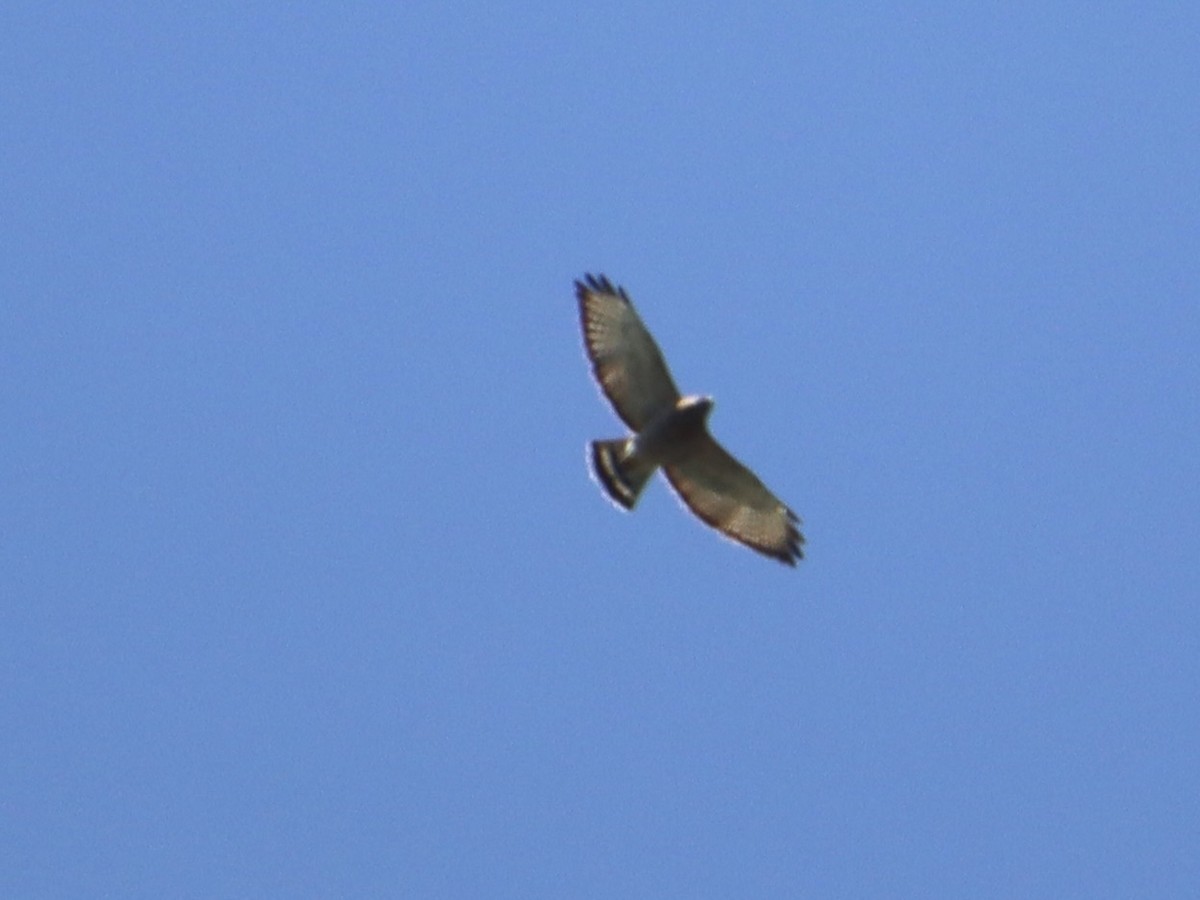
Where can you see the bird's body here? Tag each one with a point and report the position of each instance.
(670, 432)
(624, 465)
(668, 435)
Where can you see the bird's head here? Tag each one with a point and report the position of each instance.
(695, 407)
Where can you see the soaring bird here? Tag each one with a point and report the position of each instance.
(670, 431)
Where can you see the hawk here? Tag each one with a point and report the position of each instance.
(670, 432)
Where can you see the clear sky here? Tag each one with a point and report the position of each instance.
(305, 589)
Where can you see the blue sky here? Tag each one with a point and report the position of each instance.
(307, 591)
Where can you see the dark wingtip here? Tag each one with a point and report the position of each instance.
(600, 285)
(795, 539)
(790, 556)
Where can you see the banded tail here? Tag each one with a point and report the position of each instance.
(622, 475)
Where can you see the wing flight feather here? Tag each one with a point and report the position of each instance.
(730, 498)
(626, 361)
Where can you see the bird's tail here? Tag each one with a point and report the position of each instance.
(621, 474)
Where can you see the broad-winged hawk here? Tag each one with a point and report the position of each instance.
(670, 431)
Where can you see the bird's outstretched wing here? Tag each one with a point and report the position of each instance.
(625, 360)
(730, 498)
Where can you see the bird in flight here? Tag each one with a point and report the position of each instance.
(670, 432)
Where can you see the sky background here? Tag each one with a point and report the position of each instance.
(305, 589)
